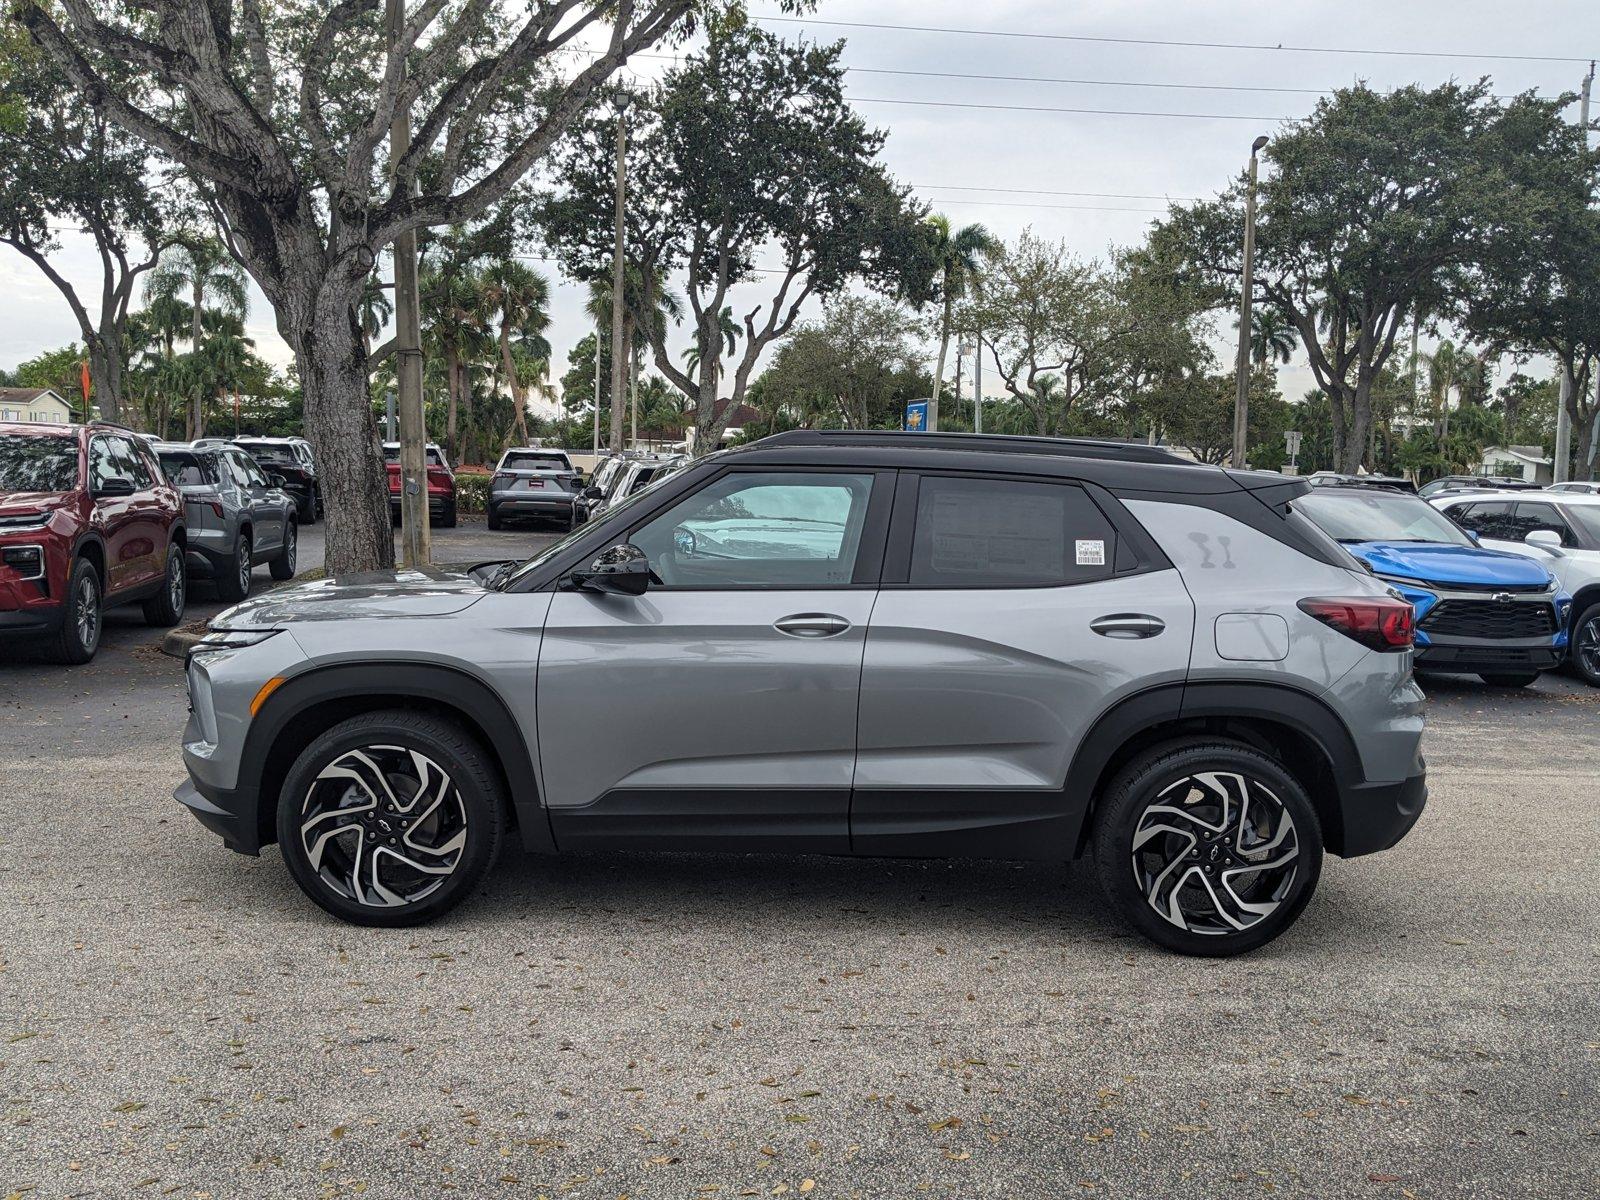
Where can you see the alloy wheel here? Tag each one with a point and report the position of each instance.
(87, 614)
(291, 546)
(1216, 853)
(176, 583)
(1588, 647)
(383, 826)
(244, 569)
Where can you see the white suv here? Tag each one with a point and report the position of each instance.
(1560, 529)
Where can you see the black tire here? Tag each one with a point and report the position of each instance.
(1197, 856)
(1506, 679)
(83, 620)
(493, 518)
(447, 519)
(165, 608)
(1585, 649)
(233, 581)
(325, 863)
(282, 564)
(307, 511)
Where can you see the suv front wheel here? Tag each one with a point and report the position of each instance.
(391, 818)
(1207, 847)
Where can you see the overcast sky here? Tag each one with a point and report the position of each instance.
(1001, 153)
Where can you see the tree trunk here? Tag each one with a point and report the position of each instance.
(452, 380)
(519, 404)
(344, 435)
(105, 375)
(944, 348)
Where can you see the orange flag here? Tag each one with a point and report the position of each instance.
(83, 378)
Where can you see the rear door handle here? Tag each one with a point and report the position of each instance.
(812, 625)
(1128, 625)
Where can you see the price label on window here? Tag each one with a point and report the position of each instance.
(1091, 553)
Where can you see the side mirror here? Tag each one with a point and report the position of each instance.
(1473, 534)
(593, 493)
(1547, 540)
(621, 570)
(276, 481)
(115, 486)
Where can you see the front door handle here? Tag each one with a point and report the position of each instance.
(812, 625)
(1128, 625)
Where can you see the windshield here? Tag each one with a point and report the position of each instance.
(1379, 517)
(523, 460)
(391, 454)
(1586, 515)
(38, 464)
(269, 452)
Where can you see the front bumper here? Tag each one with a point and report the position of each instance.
(1474, 658)
(32, 621)
(236, 828)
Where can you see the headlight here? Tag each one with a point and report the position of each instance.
(232, 639)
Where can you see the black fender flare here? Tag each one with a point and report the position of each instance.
(1279, 704)
(447, 686)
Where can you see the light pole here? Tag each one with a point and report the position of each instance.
(619, 366)
(1241, 399)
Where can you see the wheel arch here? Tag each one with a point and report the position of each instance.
(1296, 729)
(1585, 596)
(90, 547)
(310, 703)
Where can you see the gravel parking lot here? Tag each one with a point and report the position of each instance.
(177, 1020)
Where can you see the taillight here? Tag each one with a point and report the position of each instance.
(1377, 622)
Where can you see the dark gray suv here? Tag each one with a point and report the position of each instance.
(238, 515)
(843, 643)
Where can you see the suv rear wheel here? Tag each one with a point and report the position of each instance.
(282, 564)
(233, 581)
(1207, 847)
(391, 818)
(79, 636)
(165, 608)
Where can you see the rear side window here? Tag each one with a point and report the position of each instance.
(187, 469)
(974, 532)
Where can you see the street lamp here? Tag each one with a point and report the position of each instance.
(1241, 399)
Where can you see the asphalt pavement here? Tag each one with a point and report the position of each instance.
(177, 1020)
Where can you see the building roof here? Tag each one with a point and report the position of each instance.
(24, 394)
(1527, 454)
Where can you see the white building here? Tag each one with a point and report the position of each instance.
(41, 405)
(1527, 463)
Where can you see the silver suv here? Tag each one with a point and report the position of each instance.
(843, 643)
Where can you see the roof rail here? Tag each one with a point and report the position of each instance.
(98, 423)
(1001, 442)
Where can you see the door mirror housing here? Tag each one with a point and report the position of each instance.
(593, 493)
(621, 570)
(1547, 540)
(1473, 534)
(115, 486)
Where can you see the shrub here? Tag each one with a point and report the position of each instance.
(472, 491)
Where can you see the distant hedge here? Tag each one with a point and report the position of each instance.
(472, 491)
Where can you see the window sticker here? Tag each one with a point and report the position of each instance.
(1091, 553)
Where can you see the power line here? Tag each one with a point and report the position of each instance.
(985, 77)
(1040, 108)
(1073, 207)
(1128, 41)
(952, 187)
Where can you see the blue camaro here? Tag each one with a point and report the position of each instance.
(1483, 612)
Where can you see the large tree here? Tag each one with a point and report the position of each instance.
(1369, 209)
(64, 165)
(746, 165)
(282, 113)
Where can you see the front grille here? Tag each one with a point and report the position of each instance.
(1498, 587)
(1490, 619)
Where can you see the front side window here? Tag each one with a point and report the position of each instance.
(133, 464)
(103, 464)
(1530, 517)
(761, 529)
(973, 532)
(1586, 517)
(38, 464)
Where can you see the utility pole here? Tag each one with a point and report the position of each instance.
(1564, 418)
(1241, 399)
(977, 385)
(416, 543)
(619, 361)
(597, 332)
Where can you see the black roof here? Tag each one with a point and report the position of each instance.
(997, 442)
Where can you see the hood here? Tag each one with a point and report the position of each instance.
(1444, 565)
(372, 595)
(27, 504)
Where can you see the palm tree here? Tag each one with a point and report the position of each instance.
(1272, 338)
(958, 254)
(451, 308)
(226, 357)
(202, 266)
(520, 297)
(373, 311)
(635, 333)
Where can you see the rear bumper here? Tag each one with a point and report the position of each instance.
(1378, 815)
(532, 503)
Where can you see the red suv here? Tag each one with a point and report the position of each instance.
(441, 485)
(86, 520)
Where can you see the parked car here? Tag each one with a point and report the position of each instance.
(1482, 483)
(1335, 479)
(1559, 531)
(967, 646)
(291, 458)
(1484, 612)
(236, 515)
(86, 521)
(533, 482)
(633, 477)
(1575, 485)
(441, 484)
(592, 498)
